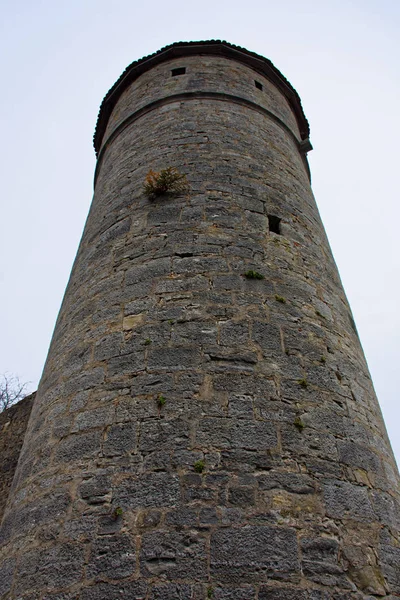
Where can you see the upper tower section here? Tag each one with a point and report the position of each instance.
(208, 69)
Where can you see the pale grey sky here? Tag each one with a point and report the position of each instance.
(59, 59)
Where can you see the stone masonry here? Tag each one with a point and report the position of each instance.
(13, 423)
(196, 433)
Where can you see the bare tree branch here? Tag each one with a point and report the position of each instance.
(11, 390)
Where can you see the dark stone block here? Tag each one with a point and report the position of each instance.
(151, 489)
(132, 590)
(389, 556)
(120, 439)
(208, 516)
(345, 500)
(387, 509)
(57, 567)
(7, 569)
(95, 489)
(241, 496)
(174, 358)
(233, 593)
(174, 555)
(113, 557)
(176, 592)
(162, 436)
(321, 562)
(254, 435)
(358, 456)
(267, 336)
(254, 552)
(25, 519)
(77, 447)
(291, 482)
(282, 593)
(234, 334)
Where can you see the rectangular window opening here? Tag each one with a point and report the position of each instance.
(258, 85)
(178, 71)
(274, 224)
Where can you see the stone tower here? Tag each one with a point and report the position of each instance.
(199, 433)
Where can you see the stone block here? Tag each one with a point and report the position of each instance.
(173, 358)
(78, 447)
(132, 590)
(96, 490)
(148, 271)
(291, 482)
(181, 517)
(120, 439)
(282, 593)
(164, 435)
(234, 334)
(196, 264)
(241, 496)
(7, 569)
(358, 456)
(148, 490)
(344, 500)
(174, 556)
(240, 555)
(52, 568)
(254, 435)
(175, 592)
(267, 336)
(113, 557)
(245, 592)
(101, 416)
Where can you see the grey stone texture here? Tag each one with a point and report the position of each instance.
(13, 424)
(198, 434)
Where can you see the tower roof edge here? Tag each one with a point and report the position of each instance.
(211, 47)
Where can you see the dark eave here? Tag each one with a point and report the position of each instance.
(213, 47)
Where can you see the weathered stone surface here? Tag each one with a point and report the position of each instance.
(131, 591)
(113, 557)
(345, 500)
(252, 553)
(174, 556)
(199, 433)
(13, 423)
(151, 489)
(53, 568)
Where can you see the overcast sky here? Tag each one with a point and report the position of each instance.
(58, 60)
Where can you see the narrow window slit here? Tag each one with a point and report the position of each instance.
(274, 224)
(178, 71)
(258, 85)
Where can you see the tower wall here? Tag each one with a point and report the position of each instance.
(267, 472)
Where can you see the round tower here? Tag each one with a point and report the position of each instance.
(205, 426)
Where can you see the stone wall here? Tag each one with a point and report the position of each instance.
(13, 423)
(199, 434)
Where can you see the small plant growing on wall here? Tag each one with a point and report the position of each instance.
(298, 423)
(199, 466)
(253, 275)
(303, 382)
(167, 181)
(161, 400)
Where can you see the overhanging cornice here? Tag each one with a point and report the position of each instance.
(211, 47)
